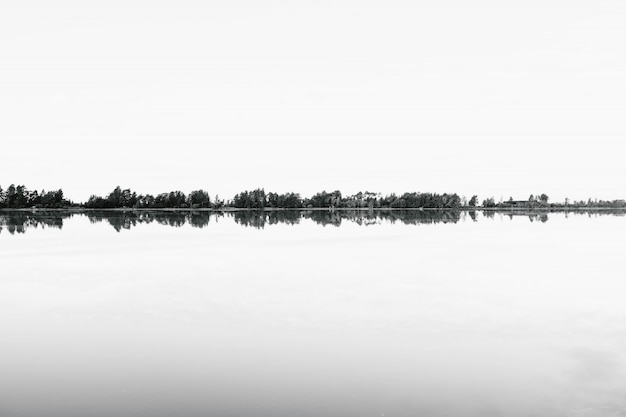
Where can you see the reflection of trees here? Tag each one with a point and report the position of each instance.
(119, 220)
(174, 219)
(127, 219)
(258, 219)
(373, 217)
(325, 217)
(20, 221)
(199, 219)
(539, 217)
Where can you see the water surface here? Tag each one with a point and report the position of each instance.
(312, 314)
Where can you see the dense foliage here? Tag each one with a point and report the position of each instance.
(20, 197)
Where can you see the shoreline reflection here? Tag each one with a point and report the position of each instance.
(17, 222)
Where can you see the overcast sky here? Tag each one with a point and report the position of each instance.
(495, 98)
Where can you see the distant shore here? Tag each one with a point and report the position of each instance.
(20, 197)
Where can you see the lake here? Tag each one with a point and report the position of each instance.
(314, 313)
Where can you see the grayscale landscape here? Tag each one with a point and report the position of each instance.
(312, 208)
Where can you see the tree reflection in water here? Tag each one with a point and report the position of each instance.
(19, 221)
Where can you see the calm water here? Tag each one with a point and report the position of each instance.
(312, 314)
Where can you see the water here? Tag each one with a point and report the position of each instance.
(312, 314)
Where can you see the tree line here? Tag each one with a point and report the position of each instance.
(258, 199)
(19, 196)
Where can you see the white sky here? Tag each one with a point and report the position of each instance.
(497, 98)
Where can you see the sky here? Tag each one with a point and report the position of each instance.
(491, 98)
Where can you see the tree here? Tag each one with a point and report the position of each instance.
(218, 204)
(199, 199)
(543, 198)
(10, 196)
(145, 201)
(335, 199)
(21, 196)
(473, 201)
(176, 199)
(255, 199)
(321, 199)
(121, 198)
(58, 198)
(115, 197)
